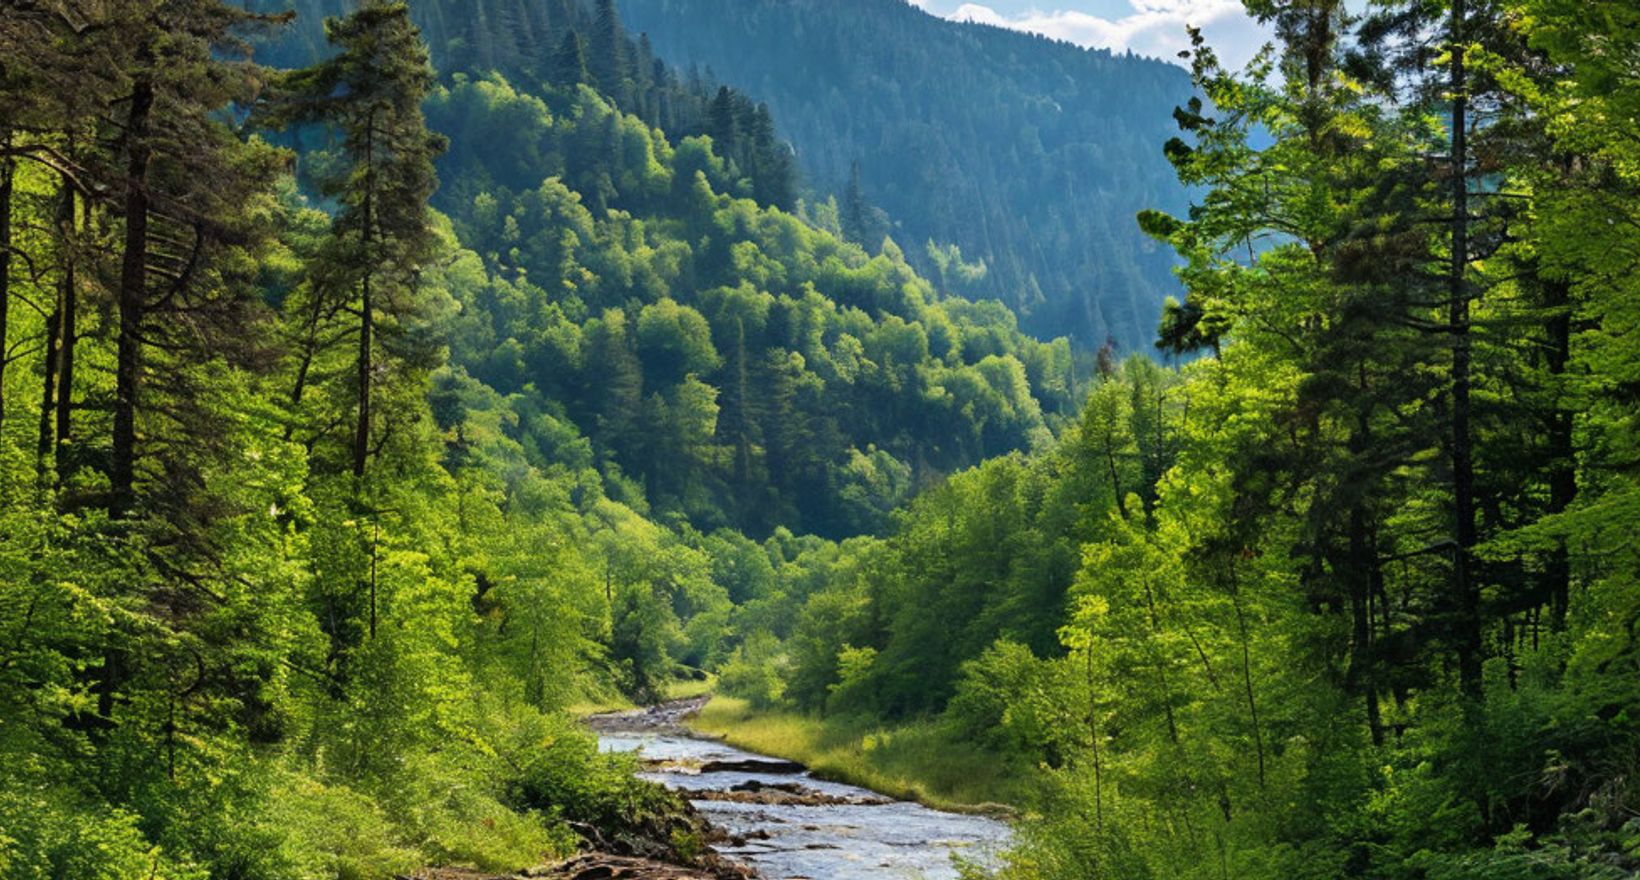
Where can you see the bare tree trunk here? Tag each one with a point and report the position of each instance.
(133, 294)
(1115, 478)
(309, 352)
(8, 172)
(361, 431)
(68, 305)
(44, 444)
(367, 317)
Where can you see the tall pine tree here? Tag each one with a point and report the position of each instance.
(370, 94)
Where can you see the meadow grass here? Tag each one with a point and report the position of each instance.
(684, 688)
(919, 762)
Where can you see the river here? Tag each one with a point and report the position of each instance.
(788, 824)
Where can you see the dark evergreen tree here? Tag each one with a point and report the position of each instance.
(370, 93)
(862, 224)
(569, 63)
(609, 51)
(723, 123)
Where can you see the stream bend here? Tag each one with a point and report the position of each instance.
(786, 823)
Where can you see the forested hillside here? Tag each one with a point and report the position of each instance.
(1030, 156)
(561, 43)
(723, 361)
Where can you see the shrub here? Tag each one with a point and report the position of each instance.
(754, 672)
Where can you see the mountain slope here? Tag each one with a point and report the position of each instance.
(564, 43)
(1031, 154)
(716, 358)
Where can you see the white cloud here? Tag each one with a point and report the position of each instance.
(1154, 27)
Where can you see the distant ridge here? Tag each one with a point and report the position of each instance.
(1030, 153)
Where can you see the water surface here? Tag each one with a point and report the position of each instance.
(897, 839)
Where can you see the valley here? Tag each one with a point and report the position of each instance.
(707, 439)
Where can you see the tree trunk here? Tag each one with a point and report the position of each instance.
(44, 445)
(1093, 739)
(1358, 571)
(1161, 663)
(310, 350)
(375, 544)
(1247, 668)
(1115, 478)
(68, 331)
(8, 170)
(361, 433)
(1468, 622)
(133, 294)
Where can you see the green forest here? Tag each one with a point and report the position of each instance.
(1018, 157)
(386, 387)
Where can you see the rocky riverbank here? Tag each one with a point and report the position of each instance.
(590, 866)
(742, 815)
(786, 822)
(672, 844)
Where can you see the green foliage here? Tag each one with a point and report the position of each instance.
(753, 671)
(336, 831)
(1029, 155)
(264, 663)
(1353, 597)
(745, 369)
(914, 761)
(45, 838)
(1282, 612)
(644, 630)
(1005, 701)
(562, 772)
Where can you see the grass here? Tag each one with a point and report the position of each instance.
(684, 688)
(677, 689)
(919, 762)
(598, 704)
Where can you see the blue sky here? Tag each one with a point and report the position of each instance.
(1148, 27)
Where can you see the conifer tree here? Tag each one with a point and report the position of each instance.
(569, 62)
(174, 181)
(608, 61)
(370, 93)
(856, 210)
(722, 124)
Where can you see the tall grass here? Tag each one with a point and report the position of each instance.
(916, 761)
(684, 688)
